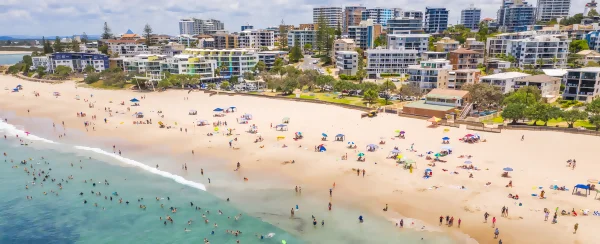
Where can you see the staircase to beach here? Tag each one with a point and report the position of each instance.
(465, 112)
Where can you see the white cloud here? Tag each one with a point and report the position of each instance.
(67, 17)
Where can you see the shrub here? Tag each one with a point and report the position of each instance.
(91, 78)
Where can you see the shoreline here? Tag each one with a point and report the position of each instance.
(15, 52)
(385, 183)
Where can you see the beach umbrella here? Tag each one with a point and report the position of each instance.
(134, 100)
(216, 129)
(218, 110)
(397, 131)
(437, 155)
(401, 132)
(507, 169)
(468, 162)
(468, 135)
(446, 147)
(427, 170)
(446, 138)
(395, 151)
(350, 143)
(324, 135)
(399, 156)
(372, 145)
(361, 154)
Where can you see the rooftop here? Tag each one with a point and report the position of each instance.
(447, 93)
(539, 78)
(422, 105)
(464, 51)
(347, 52)
(588, 52)
(587, 69)
(410, 35)
(555, 72)
(507, 75)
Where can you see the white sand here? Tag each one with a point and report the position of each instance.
(538, 161)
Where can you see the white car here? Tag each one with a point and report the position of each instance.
(315, 62)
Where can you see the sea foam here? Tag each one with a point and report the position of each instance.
(11, 130)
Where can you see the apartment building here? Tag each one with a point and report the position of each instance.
(470, 17)
(226, 41)
(148, 64)
(475, 45)
(378, 15)
(497, 45)
(40, 61)
(346, 62)
(465, 59)
(156, 39)
(201, 67)
(389, 61)
(446, 45)
(411, 14)
(269, 57)
(582, 84)
(236, 61)
(401, 25)
(257, 39)
(342, 45)
(352, 17)
(418, 42)
(515, 14)
(364, 35)
(460, 77)
(547, 52)
(494, 65)
(429, 55)
(77, 61)
(549, 86)
(552, 9)
(308, 27)
(436, 20)
(302, 37)
(430, 74)
(193, 26)
(331, 15)
(505, 81)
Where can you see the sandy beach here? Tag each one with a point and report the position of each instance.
(538, 161)
(15, 52)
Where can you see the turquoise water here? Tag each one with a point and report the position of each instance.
(10, 58)
(265, 204)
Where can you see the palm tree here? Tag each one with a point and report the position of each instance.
(540, 63)
(223, 67)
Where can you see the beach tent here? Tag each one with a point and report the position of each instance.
(394, 153)
(247, 116)
(139, 115)
(446, 148)
(218, 110)
(193, 112)
(445, 138)
(508, 169)
(468, 162)
(134, 100)
(242, 121)
(350, 143)
(56, 94)
(581, 186)
(232, 108)
(285, 120)
(322, 148)
(281, 127)
(340, 137)
(361, 154)
(372, 147)
(202, 123)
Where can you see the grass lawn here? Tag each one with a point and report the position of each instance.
(330, 97)
(495, 120)
(554, 122)
(100, 85)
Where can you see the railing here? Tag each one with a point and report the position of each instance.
(482, 128)
(466, 111)
(547, 128)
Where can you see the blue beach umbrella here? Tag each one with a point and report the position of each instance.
(218, 110)
(508, 169)
(468, 162)
(134, 100)
(446, 138)
(350, 143)
(361, 154)
(324, 135)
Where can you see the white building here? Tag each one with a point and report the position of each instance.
(331, 15)
(389, 61)
(552, 9)
(235, 61)
(257, 39)
(342, 45)
(549, 86)
(148, 64)
(460, 77)
(551, 50)
(505, 81)
(497, 45)
(302, 37)
(429, 55)
(418, 42)
(190, 65)
(365, 33)
(582, 84)
(193, 26)
(269, 57)
(346, 62)
(430, 74)
(127, 48)
(38, 61)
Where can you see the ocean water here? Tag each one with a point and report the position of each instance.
(6, 59)
(66, 219)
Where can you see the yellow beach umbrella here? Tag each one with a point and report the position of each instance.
(216, 128)
(399, 156)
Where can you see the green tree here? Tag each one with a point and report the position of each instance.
(410, 90)
(75, 46)
(57, 45)
(260, 67)
(483, 32)
(147, 34)
(289, 85)
(307, 47)
(592, 64)
(324, 80)
(575, 19)
(164, 83)
(593, 107)
(277, 66)
(103, 49)
(338, 31)
(211, 86)
(41, 70)
(542, 112)
(572, 116)
(91, 78)
(84, 38)
(89, 69)
(361, 73)
(46, 46)
(106, 32)
(63, 71)
(592, 13)
(380, 41)
(224, 85)
(527, 95)
(514, 112)
(296, 54)
(595, 120)
(370, 95)
(283, 37)
(578, 46)
(249, 76)
(321, 33)
(486, 96)
(233, 80)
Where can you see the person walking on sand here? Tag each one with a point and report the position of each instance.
(503, 211)
(546, 214)
(330, 192)
(357, 172)
(496, 233)
(459, 221)
(522, 137)
(575, 227)
(292, 212)
(441, 219)
(364, 171)
(574, 163)
(493, 222)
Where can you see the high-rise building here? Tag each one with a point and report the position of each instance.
(247, 27)
(589, 6)
(412, 13)
(389, 61)
(332, 16)
(378, 15)
(404, 24)
(352, 16)
(418, 42)
(436, 20)
(301, 38)
(470, 17)
(515, 14)
(193, 26)
(552, 9)
(257, 39)
(365, 33)
(226, 41)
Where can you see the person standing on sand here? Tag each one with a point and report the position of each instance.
(575, 227)
(506, 212)
(459, 221)
(522, 137)
(441, 219)
(364, 173)
(546, 214)
(292, 212)
(493, 222)
(496, 233)
(503, 211)
(574, 163)
(330, 192)
(357, 172)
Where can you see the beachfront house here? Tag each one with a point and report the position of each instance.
(505, 81)
(441, 103)
(548, 85)
(582, 84)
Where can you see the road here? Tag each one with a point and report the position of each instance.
(307, 64)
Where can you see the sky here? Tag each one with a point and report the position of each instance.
(73, 17)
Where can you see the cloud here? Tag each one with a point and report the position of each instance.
(66, 17)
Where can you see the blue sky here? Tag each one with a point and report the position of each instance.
(69, 17)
